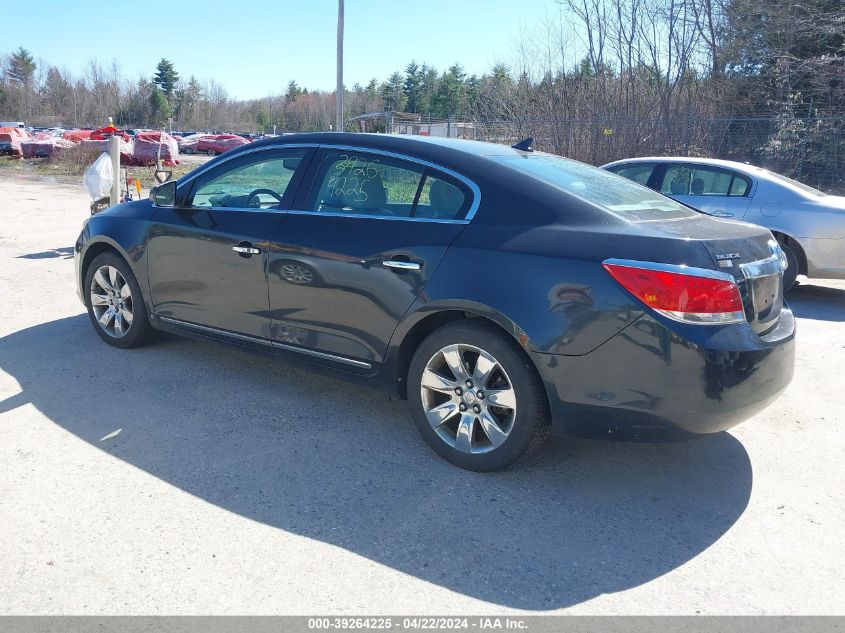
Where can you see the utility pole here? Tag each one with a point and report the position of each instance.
(339, 118)
(114, 154)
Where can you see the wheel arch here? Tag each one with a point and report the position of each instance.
(414, 329)
(796, 247)
(102, 245)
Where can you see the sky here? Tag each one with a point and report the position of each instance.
(254, 47)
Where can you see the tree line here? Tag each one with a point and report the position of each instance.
(598, 78)
(45, 95)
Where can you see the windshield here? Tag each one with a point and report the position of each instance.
(799, 185)
(615, 194)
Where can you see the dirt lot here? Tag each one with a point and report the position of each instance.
(193, 478)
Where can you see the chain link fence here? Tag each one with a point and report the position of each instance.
(809, 149)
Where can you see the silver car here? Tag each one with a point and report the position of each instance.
(808, 224)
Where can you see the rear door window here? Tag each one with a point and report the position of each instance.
(700, 180)
(358, 183)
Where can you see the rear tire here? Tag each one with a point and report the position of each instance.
(115, 303)
(791, 273)
(476, 398)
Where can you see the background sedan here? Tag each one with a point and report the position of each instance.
(808, 224)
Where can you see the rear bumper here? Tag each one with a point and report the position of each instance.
(650, 377)
(825, 257)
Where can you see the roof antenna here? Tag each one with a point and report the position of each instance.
(525, 145)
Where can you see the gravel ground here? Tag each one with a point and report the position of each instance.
(188, 478)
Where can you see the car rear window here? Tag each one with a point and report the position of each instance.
(613, 193)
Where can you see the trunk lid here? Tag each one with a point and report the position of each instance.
(748, 253)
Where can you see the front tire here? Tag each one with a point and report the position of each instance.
(791, 273)
(115, 304)
(476, 398)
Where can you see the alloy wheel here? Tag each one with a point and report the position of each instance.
(296, 274)
(111, 301)
(468, 398)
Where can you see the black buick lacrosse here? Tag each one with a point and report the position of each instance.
(504, 292)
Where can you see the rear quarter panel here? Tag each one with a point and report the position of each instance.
(550, 303)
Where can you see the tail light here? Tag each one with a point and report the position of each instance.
(682, 293)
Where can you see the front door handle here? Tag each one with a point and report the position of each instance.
(398, 264)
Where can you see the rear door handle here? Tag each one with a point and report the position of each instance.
(719, 213)
(398, 264)
(245, 248)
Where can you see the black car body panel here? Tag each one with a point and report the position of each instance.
(527, 257)
(650, 377)
(351, 304)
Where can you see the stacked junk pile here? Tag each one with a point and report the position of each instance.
(149, 146)
(143, 150)
(44, 145)
(11, 140)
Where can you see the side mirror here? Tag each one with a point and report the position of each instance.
(164, 195)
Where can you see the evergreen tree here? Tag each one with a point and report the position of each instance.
(21, 66)
(500, 75)
(159, 107)
(293, 91)
(261, 120)
(166, 77)
(411, 87)
(372, 88)
(451, 92)
(428, 87)
(392, 93)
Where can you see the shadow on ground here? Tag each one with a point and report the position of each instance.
(317, 457)
(65, 252)
(822, 303)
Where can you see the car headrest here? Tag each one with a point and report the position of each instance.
(445, 199)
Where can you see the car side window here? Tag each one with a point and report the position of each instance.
(699, 180)
(638, 172)
(741, 186)
(366, 184)
(442, 198)
(258, 183)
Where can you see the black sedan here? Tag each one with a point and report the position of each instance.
(504, 292)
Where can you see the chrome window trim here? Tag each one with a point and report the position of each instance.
(265, 342)
(246, 209)
(366, 216)
(681, 269)
(474, 188)
(201, 170)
